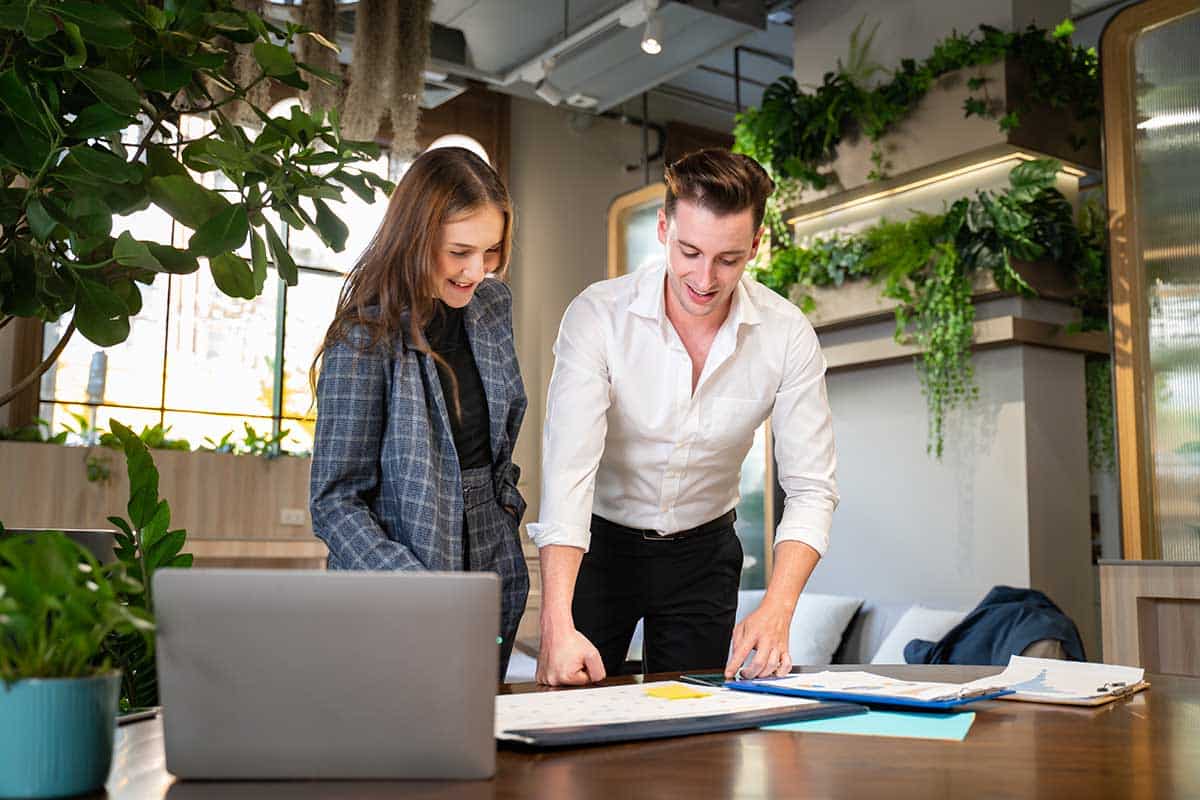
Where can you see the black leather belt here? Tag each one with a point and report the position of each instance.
(722, 522)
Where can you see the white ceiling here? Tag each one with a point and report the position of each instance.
(503, 34)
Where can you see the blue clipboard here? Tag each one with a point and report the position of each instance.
(863, 699)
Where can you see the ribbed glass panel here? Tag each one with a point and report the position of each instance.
(1167, 186)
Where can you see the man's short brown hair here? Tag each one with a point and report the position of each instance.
(719, 181)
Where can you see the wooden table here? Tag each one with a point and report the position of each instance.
(1147, 745)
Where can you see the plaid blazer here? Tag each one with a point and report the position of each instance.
(386, 489)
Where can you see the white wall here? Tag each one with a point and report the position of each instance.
(1007, 504)
(562, 180)
(907, 28)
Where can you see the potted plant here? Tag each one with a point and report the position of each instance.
(58, 697)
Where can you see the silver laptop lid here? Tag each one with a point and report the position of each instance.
(313, 674)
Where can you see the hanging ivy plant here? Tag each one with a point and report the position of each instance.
(928, 264)
(795, 133)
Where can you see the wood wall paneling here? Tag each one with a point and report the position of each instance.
(1150, 612)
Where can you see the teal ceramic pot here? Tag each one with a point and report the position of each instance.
(56, 735)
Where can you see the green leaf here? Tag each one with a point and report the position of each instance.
(321, 74)
(322, 190)
(99, 25)
(332, 230)
(163, 551)
(223, 233)
(258, 257)
(22, 145)
(356, 184)
(40, 221)
(93, 165)
(185, 200)
(96, 121)
(173, 261)
(165, 74)
(39, 25)
(91, 216)
(112, 89)
(162, 162)
(232, 275)
(128, 292)
(100, 313)
(283, 260)
(130, 252)
(77, 56)
(1064, 29)
(275, 60)
(15, 97)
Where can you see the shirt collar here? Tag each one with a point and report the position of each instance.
(649, 298)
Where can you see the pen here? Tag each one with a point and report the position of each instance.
(694, 681)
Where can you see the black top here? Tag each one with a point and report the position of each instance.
(447, 335)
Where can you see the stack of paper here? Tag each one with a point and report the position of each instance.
(1048, 680)
(638, 702)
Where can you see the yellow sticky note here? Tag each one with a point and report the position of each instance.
(676, 692)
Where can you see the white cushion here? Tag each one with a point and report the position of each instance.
(818, 626)
(918, 622)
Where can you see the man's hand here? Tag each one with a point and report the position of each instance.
(567, 658)
(765, 631)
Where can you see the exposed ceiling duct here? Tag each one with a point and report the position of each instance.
(602, 63)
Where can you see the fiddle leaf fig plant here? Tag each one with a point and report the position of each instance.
(111, 107)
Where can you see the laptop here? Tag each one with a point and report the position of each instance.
(279, 674)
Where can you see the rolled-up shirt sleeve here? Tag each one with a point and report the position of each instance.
(576, 424)
(803, 430)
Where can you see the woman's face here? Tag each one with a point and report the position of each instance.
(469, 248)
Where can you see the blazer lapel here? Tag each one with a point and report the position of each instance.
(489, 361)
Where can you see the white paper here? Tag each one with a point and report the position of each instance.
(630, 703)
(868, 683)
(1064, 681)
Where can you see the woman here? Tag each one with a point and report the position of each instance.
(420, 398)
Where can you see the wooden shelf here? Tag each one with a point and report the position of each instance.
(988, 333)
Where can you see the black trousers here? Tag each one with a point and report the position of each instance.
(685, 590)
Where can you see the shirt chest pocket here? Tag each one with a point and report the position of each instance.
(732, 421)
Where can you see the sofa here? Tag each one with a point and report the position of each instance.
(826, 629)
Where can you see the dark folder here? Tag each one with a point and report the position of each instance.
(662, 729)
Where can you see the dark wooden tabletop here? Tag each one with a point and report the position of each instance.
(1147, 745)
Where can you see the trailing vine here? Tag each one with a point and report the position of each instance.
(795, 134)
(928, 264)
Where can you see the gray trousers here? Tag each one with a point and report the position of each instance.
(491, 543)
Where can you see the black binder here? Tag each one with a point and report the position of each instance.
(578, 735)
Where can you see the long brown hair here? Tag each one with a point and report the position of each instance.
(392, 290)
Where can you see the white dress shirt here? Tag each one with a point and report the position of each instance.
(627, 439)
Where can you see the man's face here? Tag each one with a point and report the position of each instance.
(706, 256)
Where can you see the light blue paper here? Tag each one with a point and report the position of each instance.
(951, 727)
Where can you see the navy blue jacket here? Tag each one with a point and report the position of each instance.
(1006, 622)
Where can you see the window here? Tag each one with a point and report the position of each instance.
(203, 363)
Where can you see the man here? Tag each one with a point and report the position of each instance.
(661, 378)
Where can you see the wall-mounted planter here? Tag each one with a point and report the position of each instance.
(937, 132)
(861, 301)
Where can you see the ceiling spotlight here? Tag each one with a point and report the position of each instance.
(653, 36)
